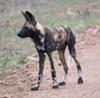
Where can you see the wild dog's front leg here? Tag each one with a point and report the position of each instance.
(40, 73)
(53, 72)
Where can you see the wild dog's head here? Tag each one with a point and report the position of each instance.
(31, 27)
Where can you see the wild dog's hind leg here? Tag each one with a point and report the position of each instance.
(65, 67)
(73, 54)
(40, 74)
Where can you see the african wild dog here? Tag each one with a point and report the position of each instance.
(48, 40)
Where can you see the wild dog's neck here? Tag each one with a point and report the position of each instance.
(38, 38)
(41, 28)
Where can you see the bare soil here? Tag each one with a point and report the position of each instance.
(17, 84)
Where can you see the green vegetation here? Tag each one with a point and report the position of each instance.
(78, 14)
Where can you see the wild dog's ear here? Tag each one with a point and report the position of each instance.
(26, 18)
(23, 13)
(30, 17)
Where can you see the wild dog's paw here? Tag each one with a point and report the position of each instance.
(55, 86)
(80, 80)
(62, 83)
(35, 88)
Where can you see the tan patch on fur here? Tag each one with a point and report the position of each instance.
(60, 35)
(56, 36)
(30, 26)
(40, 27)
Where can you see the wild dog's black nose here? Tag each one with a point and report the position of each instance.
(18, 34)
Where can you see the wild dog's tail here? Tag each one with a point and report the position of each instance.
(71, 37)
(71, 46)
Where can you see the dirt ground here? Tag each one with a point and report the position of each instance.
(17, 84)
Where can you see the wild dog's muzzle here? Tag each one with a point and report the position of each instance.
(20, 35)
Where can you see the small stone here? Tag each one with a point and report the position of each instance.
(21, 87)
(60, 64)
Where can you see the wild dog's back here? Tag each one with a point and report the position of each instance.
(58, 36)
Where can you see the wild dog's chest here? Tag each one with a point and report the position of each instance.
(50, 43)
(46, 43)
(39, 42)
(41, 46)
